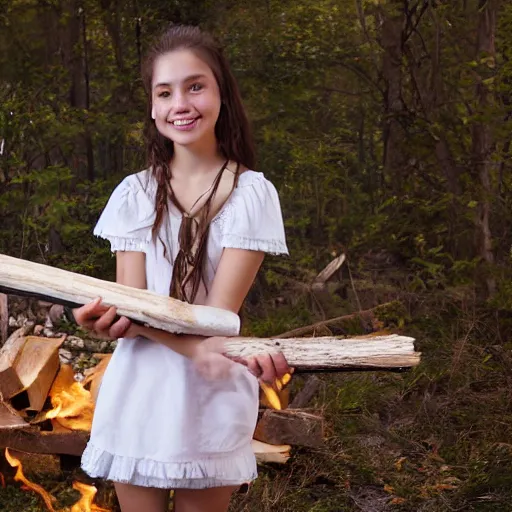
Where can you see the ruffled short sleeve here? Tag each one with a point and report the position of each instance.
(129, 215)
(253, 218)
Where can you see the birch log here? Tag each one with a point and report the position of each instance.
(69, 288)
(330, 353)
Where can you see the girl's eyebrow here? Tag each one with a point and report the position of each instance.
(187, 79)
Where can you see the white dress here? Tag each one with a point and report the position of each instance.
(157, 422)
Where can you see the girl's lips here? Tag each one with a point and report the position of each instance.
(185, 127)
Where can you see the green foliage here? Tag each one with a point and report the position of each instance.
(314, 85)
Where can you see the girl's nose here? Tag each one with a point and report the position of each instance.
(179, 102)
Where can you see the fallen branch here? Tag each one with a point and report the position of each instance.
(306, 394)
(321, 279)
(368, 316)
(59, 286)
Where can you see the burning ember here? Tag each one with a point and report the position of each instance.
(88, 492)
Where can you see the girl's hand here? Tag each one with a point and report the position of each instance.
(102, 320)
(268, 367)
(212, 364)
(209, 360)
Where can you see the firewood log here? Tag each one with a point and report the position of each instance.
(28, 365)
(330, 353)
(294, 427)
(71, 289)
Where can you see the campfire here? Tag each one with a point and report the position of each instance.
(44, 409)
(68, 405)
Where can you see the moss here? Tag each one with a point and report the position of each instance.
(13, 499)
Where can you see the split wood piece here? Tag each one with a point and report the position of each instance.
(293, 427)
(37, 366)
(9, 418)
(268, 453)
(34, 367)
(368, 316)
(33, 440)
(4, 318)
(306, 394)
(94, 375)
(391, 352)
(69, 288)
(10, 383)
(326, 274)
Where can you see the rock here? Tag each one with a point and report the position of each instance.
(65, 356)
(12, 322)
(92, 345)
(75, 342)
(79, 377)
(38, 329)
(113, 344)
(48, 332)
(104, 345)
(56, 313)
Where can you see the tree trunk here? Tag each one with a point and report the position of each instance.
(77, 62)
(482, 143)
(391, 42)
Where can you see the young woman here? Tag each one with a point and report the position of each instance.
(173, 412)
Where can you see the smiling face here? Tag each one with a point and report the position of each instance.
(185, 99)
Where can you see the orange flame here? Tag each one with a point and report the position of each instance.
(86, 501)
(88, 492)
(20, 477)
(273, 393)
(73, 406)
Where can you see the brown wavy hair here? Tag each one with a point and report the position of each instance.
(232, 132)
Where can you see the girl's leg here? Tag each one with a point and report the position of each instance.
(215, 499)
(133, 498)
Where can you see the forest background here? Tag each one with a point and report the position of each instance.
(386, 127)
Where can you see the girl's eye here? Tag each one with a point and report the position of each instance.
(164, 94)
(196, 87)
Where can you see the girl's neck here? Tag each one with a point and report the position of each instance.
(195, 161)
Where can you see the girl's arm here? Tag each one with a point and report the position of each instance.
(234, 277)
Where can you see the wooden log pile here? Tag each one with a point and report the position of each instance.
(34, 387)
